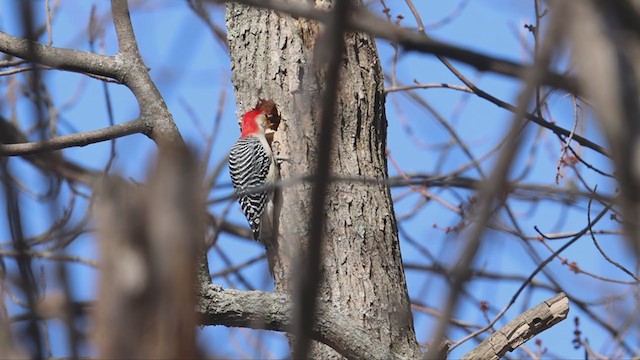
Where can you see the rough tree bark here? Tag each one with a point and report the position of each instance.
(362, 274)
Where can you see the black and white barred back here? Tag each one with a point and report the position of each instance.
(248, 167)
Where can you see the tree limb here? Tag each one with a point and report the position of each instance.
(59, 58)
(521, 329)
(159, 122)
(273, 311)
(127, 67)
(72, 140)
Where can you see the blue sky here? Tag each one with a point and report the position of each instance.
(192, 72)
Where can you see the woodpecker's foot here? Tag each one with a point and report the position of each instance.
(280, 160)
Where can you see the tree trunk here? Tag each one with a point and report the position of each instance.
(362, 274)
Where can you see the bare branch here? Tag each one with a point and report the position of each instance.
(51, 256)
(493, 187)
(272, 311)
(124, 29)
(540, 267)
(524, 327)
(428, 86)
(73, 140)
(153, 110)
(362, 20)
(59, 58)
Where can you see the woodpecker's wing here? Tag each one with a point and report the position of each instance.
(248, 167)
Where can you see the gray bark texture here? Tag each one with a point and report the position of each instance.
(362, 275)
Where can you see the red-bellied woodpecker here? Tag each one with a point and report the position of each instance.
(252, 166)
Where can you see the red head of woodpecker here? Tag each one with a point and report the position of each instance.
(253, 172)
(255, 122)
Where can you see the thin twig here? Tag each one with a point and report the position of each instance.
(539, 268)
(494, 185)
(610, 260)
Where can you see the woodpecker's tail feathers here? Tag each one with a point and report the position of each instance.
(255, 228)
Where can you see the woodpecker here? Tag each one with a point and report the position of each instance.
(252, 165)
